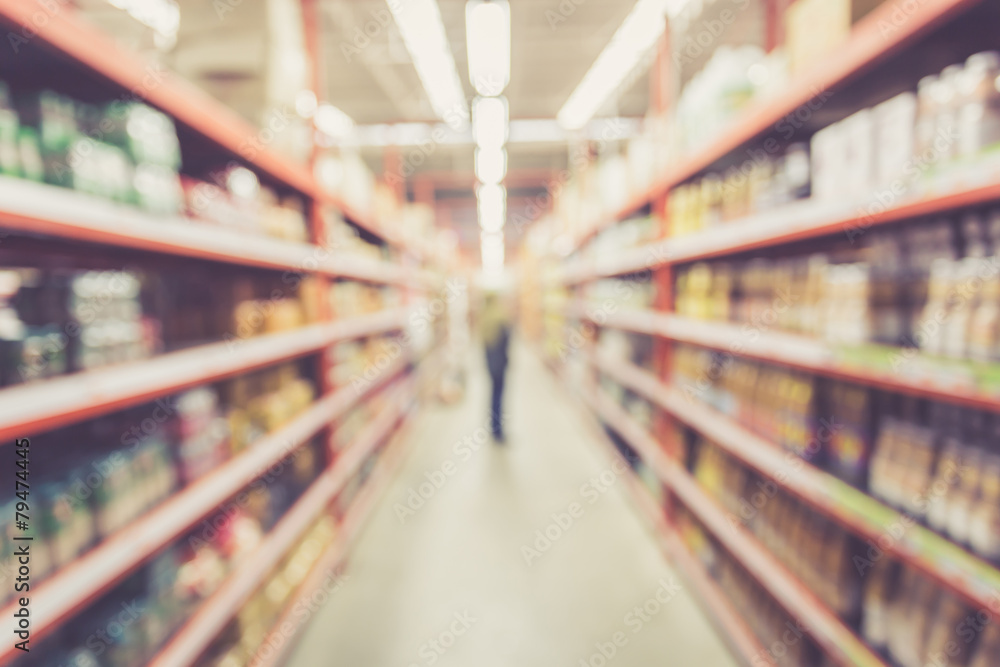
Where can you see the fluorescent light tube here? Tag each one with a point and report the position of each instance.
(492, 250)
(640, 31)
(491, 165)
(492, 207)
(487, 32)
(420, 25)
(333, 122)
(489, 122)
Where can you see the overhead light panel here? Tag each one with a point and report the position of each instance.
(492, 207)
(333, 122)
(643, 26)
(420, 25)
(491, 165)
(492, 250)
(487, 32)
(489, 122)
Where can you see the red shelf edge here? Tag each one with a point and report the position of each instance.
(867, 43)
(814, 486)
(279, 640)
(92, 393)
(90, 47)
(717, 335)
(828, 631)
(133, 545)
(194, 637)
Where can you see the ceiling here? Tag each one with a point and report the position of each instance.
(366, 71)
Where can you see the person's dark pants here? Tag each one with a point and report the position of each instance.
(496, 405)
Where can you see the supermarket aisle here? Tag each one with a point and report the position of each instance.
(450, 583)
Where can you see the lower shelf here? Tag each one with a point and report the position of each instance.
(827, 630)
(194, 637)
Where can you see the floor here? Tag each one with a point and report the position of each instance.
(524, 555)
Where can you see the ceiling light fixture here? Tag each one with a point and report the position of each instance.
(487, 33)
(491, 165)
(333, 122)
(489, 122)
(492, 250)
(492, 207)
(420, 25)
(643, 26)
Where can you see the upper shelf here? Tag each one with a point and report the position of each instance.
(870, 42)
(799, 221)
(35, 208)
(63, 31)
(882, 367)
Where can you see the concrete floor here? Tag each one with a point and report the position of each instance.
(450, 583)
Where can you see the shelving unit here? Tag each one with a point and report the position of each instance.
(69, 221)
(970, 576)
(69, 590)
(732, 627)
(825, 628)
(869, 43)
(194, 637)
(805, 222)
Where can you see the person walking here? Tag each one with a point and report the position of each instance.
(496, 340)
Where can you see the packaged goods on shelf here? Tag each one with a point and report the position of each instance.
(929, 285)
(123, 151)
(816, 550)
(767, 183)
(613, 294)
(945, 134)
(55, 321)
(350, 298)
(817, 27)
(773, 626)
(241, 642)
(629, 233)
(259, 403)
(344, 237)
(236, 199)
(931, 460)
(125, 464)
(913, 620)
(638, 407)
(355, 363)
(716, 94)
(636, 349)
(164, 593)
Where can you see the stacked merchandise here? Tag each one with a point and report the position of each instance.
(128, 625)
(123, 151)
(786, 642)
(243, 641)
(629, 233)
(128, 152)
(350, 298)
(894, 288)
(127, 463)
(57, 321)
(934, 461)
(944, 135)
